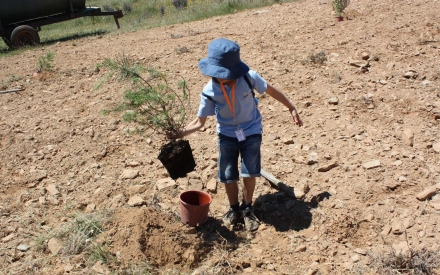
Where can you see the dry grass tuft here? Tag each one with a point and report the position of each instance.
(419, 262)
(317, 59)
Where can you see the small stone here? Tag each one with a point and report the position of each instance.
(23, 247)
(333, 101)
(101, 268)
(137, 189)
(402, 179)
(191, 230)
(211, 186)
(194, 175)
(195, 184)
(371, 164)
(134, 163)
(136, 200)
(361, 251)
(301, 191)
(427, 193)
(129, 174)
(408, 137)
(312, 159)
(90, 208)
(164, 206)
(436, 147)
(369, 217)
(327, 167)
(300, 248)
(42, 200)
(165, 183)
(8, 238)
(365, 56)
(52, 189)
(54, 245)
(386, 230)
(409, 75)
(348, 265)
(408, 223)
(401, 248)
(358, 63)
(272, 137)
(397, 227)
(355, 258)
(435, 205)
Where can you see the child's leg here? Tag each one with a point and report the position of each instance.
(232, 192)
(248, 189)
(250, 165)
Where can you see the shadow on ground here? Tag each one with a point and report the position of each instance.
(284, 212)
(215, 231)
(5, 49)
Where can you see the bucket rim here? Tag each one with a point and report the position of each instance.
(197, 191)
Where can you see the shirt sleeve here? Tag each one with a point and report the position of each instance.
(206, 107)
(259, 83)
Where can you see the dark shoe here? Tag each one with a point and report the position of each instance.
(251, 222)
(230, 217)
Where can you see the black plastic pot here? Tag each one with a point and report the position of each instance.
(177, 158)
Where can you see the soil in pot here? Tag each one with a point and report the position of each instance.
(177, 158)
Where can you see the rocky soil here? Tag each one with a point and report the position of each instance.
(364, 168)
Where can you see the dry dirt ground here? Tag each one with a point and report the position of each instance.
(365, 167)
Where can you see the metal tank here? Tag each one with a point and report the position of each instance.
(13, 11)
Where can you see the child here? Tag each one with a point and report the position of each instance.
(229, 96)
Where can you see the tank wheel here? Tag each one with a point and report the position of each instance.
(24, 36)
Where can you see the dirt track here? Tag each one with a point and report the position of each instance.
(371, 111)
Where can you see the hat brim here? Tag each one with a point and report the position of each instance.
(221, 72)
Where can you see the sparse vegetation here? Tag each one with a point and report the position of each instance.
(151, 101)
(8, 80)
(317, 59)
(339, 6)
(44, 63)
(421, 262)
(75, 234)
(101, 253)
(182, 50)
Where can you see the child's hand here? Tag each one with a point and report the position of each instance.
(296, 117)
(173, 134)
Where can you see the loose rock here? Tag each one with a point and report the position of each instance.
(129, 174)
(427, 193)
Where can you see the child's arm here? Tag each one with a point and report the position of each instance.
(278, 95)
(193, 126)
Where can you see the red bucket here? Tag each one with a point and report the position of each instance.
(194, 207)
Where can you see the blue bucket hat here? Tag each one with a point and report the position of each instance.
(223, 60)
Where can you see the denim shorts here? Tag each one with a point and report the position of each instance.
(229, 151)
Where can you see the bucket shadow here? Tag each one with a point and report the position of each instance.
(286, 213)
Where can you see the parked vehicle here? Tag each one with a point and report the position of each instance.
(21, 20)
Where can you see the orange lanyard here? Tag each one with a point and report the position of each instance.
(231, 106)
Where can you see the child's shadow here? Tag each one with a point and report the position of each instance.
(284, 212)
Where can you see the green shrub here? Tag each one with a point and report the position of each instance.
(151, 100)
